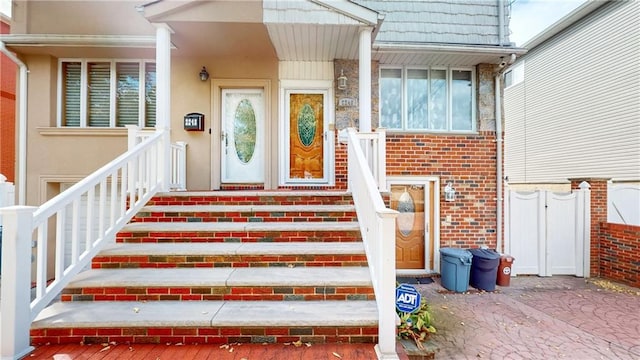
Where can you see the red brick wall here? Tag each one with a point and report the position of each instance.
(469, 162)
(620, 253)
(7, 113)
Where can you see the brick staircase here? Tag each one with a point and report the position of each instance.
(224, 267)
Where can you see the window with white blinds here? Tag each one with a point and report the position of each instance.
(107, 93)
(71, 80)
(150, 94)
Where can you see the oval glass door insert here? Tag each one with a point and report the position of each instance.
(306, 125)
(244, 131)
(407, 209)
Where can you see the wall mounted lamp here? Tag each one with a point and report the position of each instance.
(204, 74)
(449, 193)
(342, 80)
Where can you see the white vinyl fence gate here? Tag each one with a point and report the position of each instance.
(548, 233)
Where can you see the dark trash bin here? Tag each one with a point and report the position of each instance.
(455, 265)
(484, 269)
(504, 270)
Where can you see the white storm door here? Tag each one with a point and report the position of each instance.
(242, 141)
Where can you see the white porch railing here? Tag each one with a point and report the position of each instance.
(130, 181)
(178, 157)
(7, 194)
(378, 228)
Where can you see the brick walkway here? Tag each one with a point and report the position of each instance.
(534, 318)
(202, 352)
(538, 318)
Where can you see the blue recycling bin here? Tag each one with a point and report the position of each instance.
(484, 269)
(455, 265)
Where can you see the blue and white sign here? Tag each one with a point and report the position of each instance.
(407, 298)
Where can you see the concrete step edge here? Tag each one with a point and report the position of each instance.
(240, 226)
(231, 249)
(248, 208)
(132, 314)
(353, 276)
(240, 193)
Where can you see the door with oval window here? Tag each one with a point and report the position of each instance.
(307, 148)
(415, 242)
(242, 137)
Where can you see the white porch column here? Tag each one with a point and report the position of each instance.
(364, 72)
(163, 99)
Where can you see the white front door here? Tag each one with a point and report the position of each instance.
(242, 138)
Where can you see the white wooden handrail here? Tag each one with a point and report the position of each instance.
(99, 206)
(378, 228)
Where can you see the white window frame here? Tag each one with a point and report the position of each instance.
(112, 90)
(449, 95)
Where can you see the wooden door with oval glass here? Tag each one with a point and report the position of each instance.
(242, 137)
(414, 240)
(307, 147)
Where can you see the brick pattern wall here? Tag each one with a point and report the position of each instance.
(620, 253)
(469, 163)
(7, 113)
(205, 335)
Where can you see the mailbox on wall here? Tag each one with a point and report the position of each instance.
(194, 122)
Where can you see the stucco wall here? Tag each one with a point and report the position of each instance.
(64, 154)
(79, 17)
(189, 94)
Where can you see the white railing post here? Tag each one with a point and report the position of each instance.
(132, 136)
(15, 297)
(164, 161)
(381, 174)
(7, 194)
(386, 347)
(179, 165)
(585, 187)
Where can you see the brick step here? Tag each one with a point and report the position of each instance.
(171, 255)
(239, 232)
(246, 213)
(189, 284)
(207, 322)
(283, 197)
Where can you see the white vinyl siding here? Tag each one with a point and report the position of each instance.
(427, 99)
(106, 93)
(577, 112)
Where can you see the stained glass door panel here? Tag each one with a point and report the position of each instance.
(306, 136)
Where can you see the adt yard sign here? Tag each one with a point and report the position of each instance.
(407, 298)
